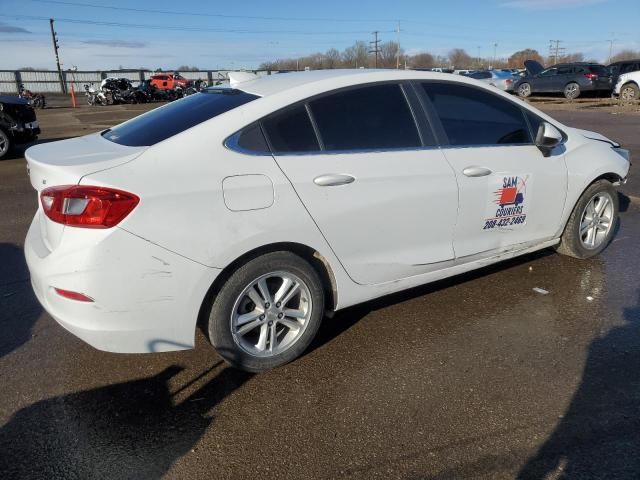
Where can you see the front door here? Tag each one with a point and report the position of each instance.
(510, 194)
(384, 198)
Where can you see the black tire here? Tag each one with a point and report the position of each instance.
(570, 242)
(219, 327)
(571, 91)
(630, 92)
(524, 90)
(5, 143)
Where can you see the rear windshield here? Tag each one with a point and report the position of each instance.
(162, 123)
(599, 70)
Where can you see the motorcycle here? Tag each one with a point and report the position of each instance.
(36, 100)
(95, 97)
(200, 85)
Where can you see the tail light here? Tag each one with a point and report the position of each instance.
(79, 297)
(85, 206)
(508, 81)
(591, 76)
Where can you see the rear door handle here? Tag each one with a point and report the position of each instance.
(333, 179)
(475, 171)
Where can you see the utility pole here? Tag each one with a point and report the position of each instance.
(54, 38)
(493, 63)
(555, 51)
(479, 64)
(375, 50)
(610, 48)
(398, 51)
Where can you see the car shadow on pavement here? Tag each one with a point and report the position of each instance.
(19, 308)
(135, 429)
(343, 320)
(599, 434)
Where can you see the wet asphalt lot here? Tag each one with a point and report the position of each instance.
(475, 377)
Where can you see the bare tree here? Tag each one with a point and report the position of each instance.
(388, 55)
(625, 55)
(356, 55)
(332, 59)
(421, 60)
(459, 58)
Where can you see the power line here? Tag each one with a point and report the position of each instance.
(216, 15)
(555, 51)
(185, 28)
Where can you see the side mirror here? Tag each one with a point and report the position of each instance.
(548, 138)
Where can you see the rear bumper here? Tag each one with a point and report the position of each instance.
(146, 299)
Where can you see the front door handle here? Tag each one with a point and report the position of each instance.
(475, 171)
(333, 179)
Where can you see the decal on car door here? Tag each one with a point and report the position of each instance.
(507, 201)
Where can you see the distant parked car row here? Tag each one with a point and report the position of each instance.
(571, 79)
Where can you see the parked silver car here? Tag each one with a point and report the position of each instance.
(497, 78)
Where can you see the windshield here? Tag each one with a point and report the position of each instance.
(162, 123)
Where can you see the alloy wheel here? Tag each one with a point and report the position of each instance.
(4, 144)
(271, 314)
(596, 220)
(628, 94)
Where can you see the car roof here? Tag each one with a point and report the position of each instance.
(267, 85)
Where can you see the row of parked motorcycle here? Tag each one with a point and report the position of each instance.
(113, 91)
(36, 100)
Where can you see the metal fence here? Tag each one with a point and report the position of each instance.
(49, 81)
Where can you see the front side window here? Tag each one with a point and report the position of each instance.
(471, 116)
(162, 123)
(291, 131)
(365, 118)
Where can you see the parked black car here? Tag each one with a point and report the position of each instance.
(570, 79)
(18, 123)
(623, 66)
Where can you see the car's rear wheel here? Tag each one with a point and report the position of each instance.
(524, 90)
(630, 92)
(571, 90)
(267, 312)
(5, 143)
(592, 223)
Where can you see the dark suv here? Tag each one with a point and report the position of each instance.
(18, 123)
(570, 79)
(623, 66)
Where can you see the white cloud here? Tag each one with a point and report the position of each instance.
(549, 4)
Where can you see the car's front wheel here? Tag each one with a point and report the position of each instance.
(630, 92)
(592, 223)
(572, 90)
(267, 312)
(5, 143)
(524, 90)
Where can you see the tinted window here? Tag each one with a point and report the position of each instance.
(599, 70)
(534, 123)
(471, 116)
(549, 72)
(480, 75)
(373, 117)
(251, 139)
(565, 70)
(291, 131)
(176, 117)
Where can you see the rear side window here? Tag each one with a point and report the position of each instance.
(251, 140)
(291, 131)
(471, 116)
(162, 123)
(365, 118)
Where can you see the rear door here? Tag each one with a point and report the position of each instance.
(367, 170)
(510, 194)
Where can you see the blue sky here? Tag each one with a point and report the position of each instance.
(244, 34)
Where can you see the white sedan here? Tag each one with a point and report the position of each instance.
(255, 209)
